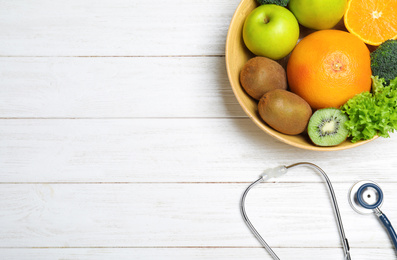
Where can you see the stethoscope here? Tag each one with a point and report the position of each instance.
(364, 197)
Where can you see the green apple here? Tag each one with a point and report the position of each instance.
(318, 14)
(271, 31)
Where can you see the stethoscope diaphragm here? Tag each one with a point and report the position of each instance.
(365, 196)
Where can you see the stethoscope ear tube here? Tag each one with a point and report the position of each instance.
(249, 224)
(276, 172)
(364, 197)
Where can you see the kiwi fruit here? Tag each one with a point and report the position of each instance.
(327, 127)
(284, 111)
(260, 75)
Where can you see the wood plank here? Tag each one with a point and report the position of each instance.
(116, 87)
(171, 150)
(189, 253)
(182, 215)
(114, 28)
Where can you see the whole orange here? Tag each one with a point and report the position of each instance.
(329, 67)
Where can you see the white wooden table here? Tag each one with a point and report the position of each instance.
(120, 138)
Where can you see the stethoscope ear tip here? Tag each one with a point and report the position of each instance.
(365, 197)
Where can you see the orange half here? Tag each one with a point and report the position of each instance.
(373, 21)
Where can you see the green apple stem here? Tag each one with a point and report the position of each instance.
(266, 20)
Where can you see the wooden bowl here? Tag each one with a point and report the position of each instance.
(237, 55)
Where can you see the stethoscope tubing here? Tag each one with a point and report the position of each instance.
(360, 205)
(345, 243)
(249, 224)
(388, 226)
(375, 208)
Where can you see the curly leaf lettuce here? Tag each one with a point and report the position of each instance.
(373, 113)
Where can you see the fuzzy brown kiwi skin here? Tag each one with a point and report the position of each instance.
(285, 111)
(260, 75)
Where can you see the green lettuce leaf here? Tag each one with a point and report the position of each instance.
(373, 113)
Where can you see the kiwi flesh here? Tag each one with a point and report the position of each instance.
(327, 127)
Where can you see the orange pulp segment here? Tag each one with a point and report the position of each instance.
(373, 21)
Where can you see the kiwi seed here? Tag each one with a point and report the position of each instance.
(327, 127)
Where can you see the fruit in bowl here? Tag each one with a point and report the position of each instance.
(328, 67)
(237, 55)
(318, 14)
(285, 111)
(260, 75)
(271, 31)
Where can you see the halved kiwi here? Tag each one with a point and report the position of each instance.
(327, 127)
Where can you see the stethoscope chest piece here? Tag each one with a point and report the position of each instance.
(365, 196)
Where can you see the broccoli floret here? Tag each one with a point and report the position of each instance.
(275, 2)
(384, 61)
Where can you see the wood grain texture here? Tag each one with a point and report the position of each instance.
(121, 138)
(170, 150)
(116, 87)
(188, 253)
(114, 28)
(181, 215)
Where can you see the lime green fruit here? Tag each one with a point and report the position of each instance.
(318, 14)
